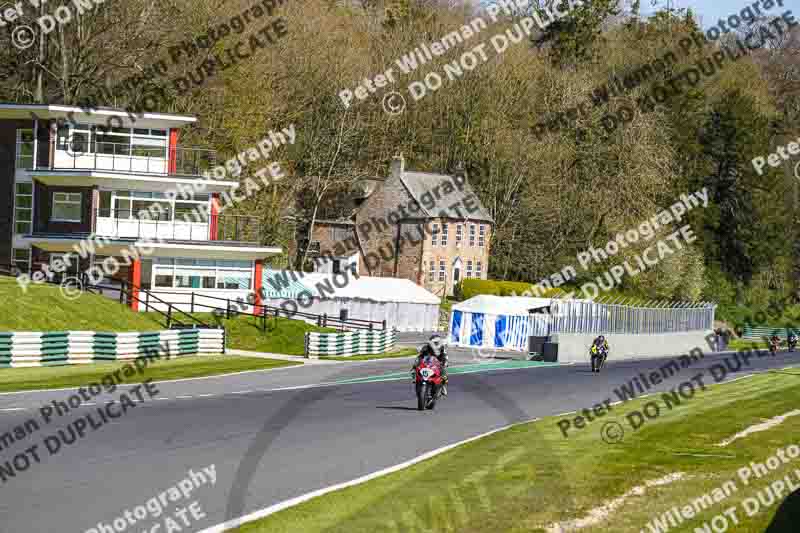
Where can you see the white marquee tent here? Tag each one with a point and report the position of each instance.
(402, 303)
(502, 322)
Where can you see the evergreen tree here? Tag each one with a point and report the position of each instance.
(573, 37)
(737, 237)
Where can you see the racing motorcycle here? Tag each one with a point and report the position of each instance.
(428, 382)
(598, 356)
(792, 342)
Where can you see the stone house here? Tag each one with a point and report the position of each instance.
(429, 228)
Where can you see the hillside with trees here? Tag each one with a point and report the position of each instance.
(552, 193)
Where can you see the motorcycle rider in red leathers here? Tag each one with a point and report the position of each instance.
(435, 347)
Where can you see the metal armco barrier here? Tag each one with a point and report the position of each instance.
(22, 349)
(350, 343)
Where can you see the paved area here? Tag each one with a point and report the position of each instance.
(273, 435)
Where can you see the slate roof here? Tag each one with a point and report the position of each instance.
(420, 183)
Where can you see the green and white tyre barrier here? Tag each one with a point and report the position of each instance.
(758, 333)
(23, 349)
(349, 343)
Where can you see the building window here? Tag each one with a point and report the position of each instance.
(66, 207)
(472, 234)
(202, 274)
(434, 234)
(340, 234)
(22, 259)
(445, 232)
(442, 270)
(469, 268)
(459, 233)
(482, 236)
(478, 273)
(23, 208)
(25, 144)
(432, 271)
(139, 142)
(154, 206)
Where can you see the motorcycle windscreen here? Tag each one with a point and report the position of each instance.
(476, 332)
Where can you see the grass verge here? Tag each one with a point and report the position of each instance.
(282, 336)
(747, 344)
(22, 379)
(529, 477)
(44, 308)
(403, 352)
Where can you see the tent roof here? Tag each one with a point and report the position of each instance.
(375, 289)
(364, 288)
(501, 305)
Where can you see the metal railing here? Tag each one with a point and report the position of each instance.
(263, 311)
(125, 293)
(194, 161)
(195, 226)
(123, 157)
(609, 317)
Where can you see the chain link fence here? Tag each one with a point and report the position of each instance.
(575, 316)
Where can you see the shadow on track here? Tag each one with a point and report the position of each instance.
(787, 518)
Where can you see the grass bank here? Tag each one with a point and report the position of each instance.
(22, 379)
(282, 335)
(530, 477)
(44, 308)
(403, 352)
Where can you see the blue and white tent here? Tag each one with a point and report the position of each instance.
(500, 322)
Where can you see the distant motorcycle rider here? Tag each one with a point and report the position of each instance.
(774, 343)
(434, 347)
(599, 350)
(792, 341)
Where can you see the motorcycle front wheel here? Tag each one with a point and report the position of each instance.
(422, 395)
(433, 397)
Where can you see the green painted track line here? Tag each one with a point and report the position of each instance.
(453, 370)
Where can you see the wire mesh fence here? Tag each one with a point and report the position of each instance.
(576, 316)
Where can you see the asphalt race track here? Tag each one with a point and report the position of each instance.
(271, 445)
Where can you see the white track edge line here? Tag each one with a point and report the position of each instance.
(165, 381)
(272, 509)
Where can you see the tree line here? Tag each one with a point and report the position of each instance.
(553, 191)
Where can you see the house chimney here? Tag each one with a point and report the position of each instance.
(398, 166)
(460, 170)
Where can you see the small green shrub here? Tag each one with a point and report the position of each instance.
(472, 287)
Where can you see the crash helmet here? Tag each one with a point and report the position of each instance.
(435, 341)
